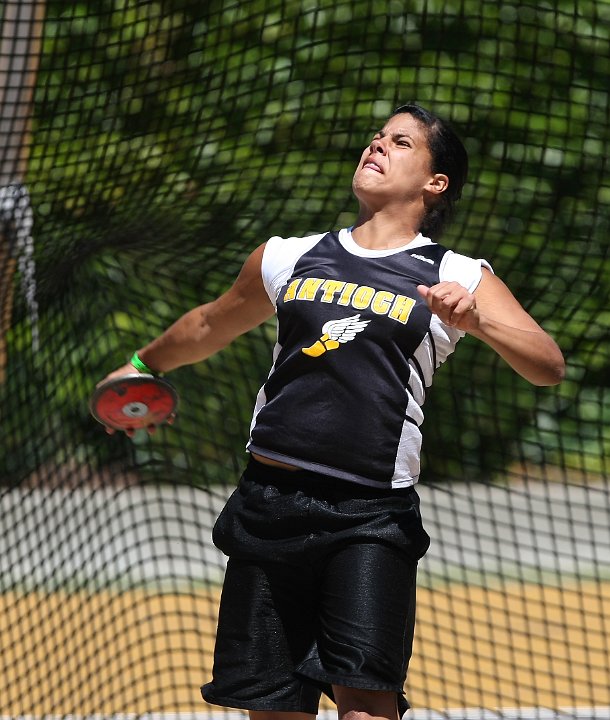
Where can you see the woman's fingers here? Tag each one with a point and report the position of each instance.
(451, 302)
(150, 429)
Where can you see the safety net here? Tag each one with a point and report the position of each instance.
(146, 148)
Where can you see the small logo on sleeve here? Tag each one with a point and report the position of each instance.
(335, 333)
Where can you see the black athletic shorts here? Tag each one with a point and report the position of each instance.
(319, 590)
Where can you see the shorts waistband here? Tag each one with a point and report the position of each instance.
(308, 480)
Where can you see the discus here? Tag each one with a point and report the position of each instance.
(133, 401)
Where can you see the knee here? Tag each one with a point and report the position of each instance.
(358, 714)
(355, 704)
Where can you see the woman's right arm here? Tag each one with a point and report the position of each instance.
(206, 329)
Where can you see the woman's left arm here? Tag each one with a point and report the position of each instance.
(493, 314)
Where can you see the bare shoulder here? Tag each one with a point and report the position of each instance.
(247, 301)
(251, 269)
(250, 278)
(496, 301)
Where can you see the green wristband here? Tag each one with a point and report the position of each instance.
(140, 365)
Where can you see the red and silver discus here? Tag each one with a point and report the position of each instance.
(133, 401)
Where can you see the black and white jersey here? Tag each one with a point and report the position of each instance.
(356, 349)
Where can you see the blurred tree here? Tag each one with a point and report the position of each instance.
(172, 137)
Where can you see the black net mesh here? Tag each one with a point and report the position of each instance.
(146, 148)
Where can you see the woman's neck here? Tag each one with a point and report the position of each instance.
(383, 232)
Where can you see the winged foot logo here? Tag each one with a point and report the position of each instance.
(335, 333)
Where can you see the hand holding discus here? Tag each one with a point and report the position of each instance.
(130, 399)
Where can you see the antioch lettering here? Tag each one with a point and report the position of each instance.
(360, 297)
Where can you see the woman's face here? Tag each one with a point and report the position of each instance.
(397, 166)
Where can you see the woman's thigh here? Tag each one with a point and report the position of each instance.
(265, 627)
(367, 614)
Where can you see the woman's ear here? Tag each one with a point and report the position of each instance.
(438, 184)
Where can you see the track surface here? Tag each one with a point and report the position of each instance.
(109, 599)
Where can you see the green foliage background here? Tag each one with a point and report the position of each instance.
(171, 138)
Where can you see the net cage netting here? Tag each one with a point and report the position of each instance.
(147, 148)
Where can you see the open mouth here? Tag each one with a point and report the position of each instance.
(369, 165)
